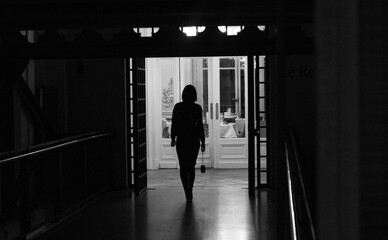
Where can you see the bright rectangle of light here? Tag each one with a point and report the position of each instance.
(192, 31)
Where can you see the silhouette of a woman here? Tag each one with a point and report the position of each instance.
(187, 128)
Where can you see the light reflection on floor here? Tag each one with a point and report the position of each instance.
(212, 178)
(221, 210)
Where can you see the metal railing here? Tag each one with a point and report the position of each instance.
(44, 184)
(301, 222)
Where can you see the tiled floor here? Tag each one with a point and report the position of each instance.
(221, 209)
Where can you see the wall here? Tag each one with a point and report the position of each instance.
(90, 97)
(373, 118)
(300, 108)
(301, 111)
(337, 121)
(51, 77)
(97, 102)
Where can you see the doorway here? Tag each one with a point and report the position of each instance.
(221, 87)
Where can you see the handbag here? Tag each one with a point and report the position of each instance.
(203, 167)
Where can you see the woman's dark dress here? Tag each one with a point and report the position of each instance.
(187, 127)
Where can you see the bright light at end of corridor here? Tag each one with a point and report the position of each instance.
(192, 31)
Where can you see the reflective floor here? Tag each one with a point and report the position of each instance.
(162, 213)
(212, 178)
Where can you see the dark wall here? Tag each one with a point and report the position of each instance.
(96, 94)
(372, 126)
(301, 108)
(97, 102)
(90, 97)
(50, 84)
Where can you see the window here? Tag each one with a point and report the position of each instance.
(192, 31)
(231, 30)
(146, 32)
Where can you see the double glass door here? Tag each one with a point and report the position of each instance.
(221, 88)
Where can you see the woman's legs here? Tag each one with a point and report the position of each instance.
(187, 174)
(187, 154)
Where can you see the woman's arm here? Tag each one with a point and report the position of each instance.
(201, 129)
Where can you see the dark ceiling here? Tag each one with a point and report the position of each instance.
(38, 14)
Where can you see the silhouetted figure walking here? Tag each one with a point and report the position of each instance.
(187, 127)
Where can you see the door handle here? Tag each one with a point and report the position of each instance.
(216, 111)
(211, 110)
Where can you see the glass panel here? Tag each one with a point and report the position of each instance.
(205, 101)
(263, 132)
(241, 113)
(242, 63)
(263, 177)
(222, 28)
(205, 63)
(197, 75)
(227, 96)
(263, 163)
(262, 119)
(232, 98)
(146, 32)
(261, 61)
(263, 148)
(201, 29)
(231, 30)
(261, 90)
(261, 75)
(192, 31)
(227, 91)
(227, 62)
(168, 101)
(262, 104)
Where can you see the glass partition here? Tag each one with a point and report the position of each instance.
(199, 78)
(232, 97)
(169, 83)
(192, 71)
(205, 95)
(196, 71)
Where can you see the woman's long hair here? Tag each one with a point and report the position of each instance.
(189, 94)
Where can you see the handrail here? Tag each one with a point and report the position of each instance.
(291, 198)
(292, 154)
(306, 204)
(10, 156)
(54, 180)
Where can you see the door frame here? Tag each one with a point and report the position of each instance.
(252, 130)
(218, 152)
(136, 136)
